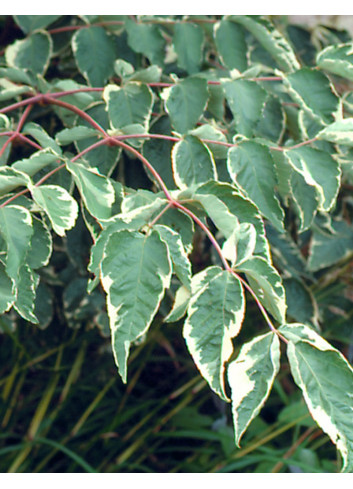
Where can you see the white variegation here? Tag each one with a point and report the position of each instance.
(337, 59)
(180, 260)
(214, 317)
(16, 229)
(339, 132)
(251, 376)
(57, 203)
(181, 302)
(326, 380)
(135, 271)
(96, 190)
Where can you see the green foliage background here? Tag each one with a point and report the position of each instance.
(63, 406)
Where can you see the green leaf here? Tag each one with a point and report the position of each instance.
(129, 104)
(94, 52)
(32, 53)
(41, 245)
(246, 100)
(185, 102)
(319, 170)
(339, 132)
(267, 285)
(180, 261)
(192, 162)
(7, 290)
(337, 59)
(313, 91)
(327, 248)
(252, 168)
(16, 229)
(251, 377)
(271, 39)
(146, 39)
(26, 293)
(96, 190)
(214, 318)
(135, 272)
(231, 45)
(11, 178)
(67, 136)
(36, 162)
(59, 206)
(188, 42)
(30, 23)
(326, 380)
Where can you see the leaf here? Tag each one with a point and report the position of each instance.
(7, 290)
(192, 162)
(246, 100)
(30, 23)
(251, 377)
(185, 102)
(241, 244)
(319, 170)
(41, 136)
(215, 315)
(235, 207)
(16, 229)
(32, 53)
(71, 134)
(146, 39)
(271, 39)
(41, 245)
(267, 285)
(188, 42)
(251, 167)
(129, 104)
(36, 162)
(135, 272)
(25, 300)
(211, 133)
(301, 303)
(180, 261)
(231, 45)
(181, 302)
(94, 52)
(305, 200)
(132, 221)
(96, 190)
(326, 380)
(326, 248)
(59, 206)
(10, 179)
(313, 91)
(337, 59)
(339, 132)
